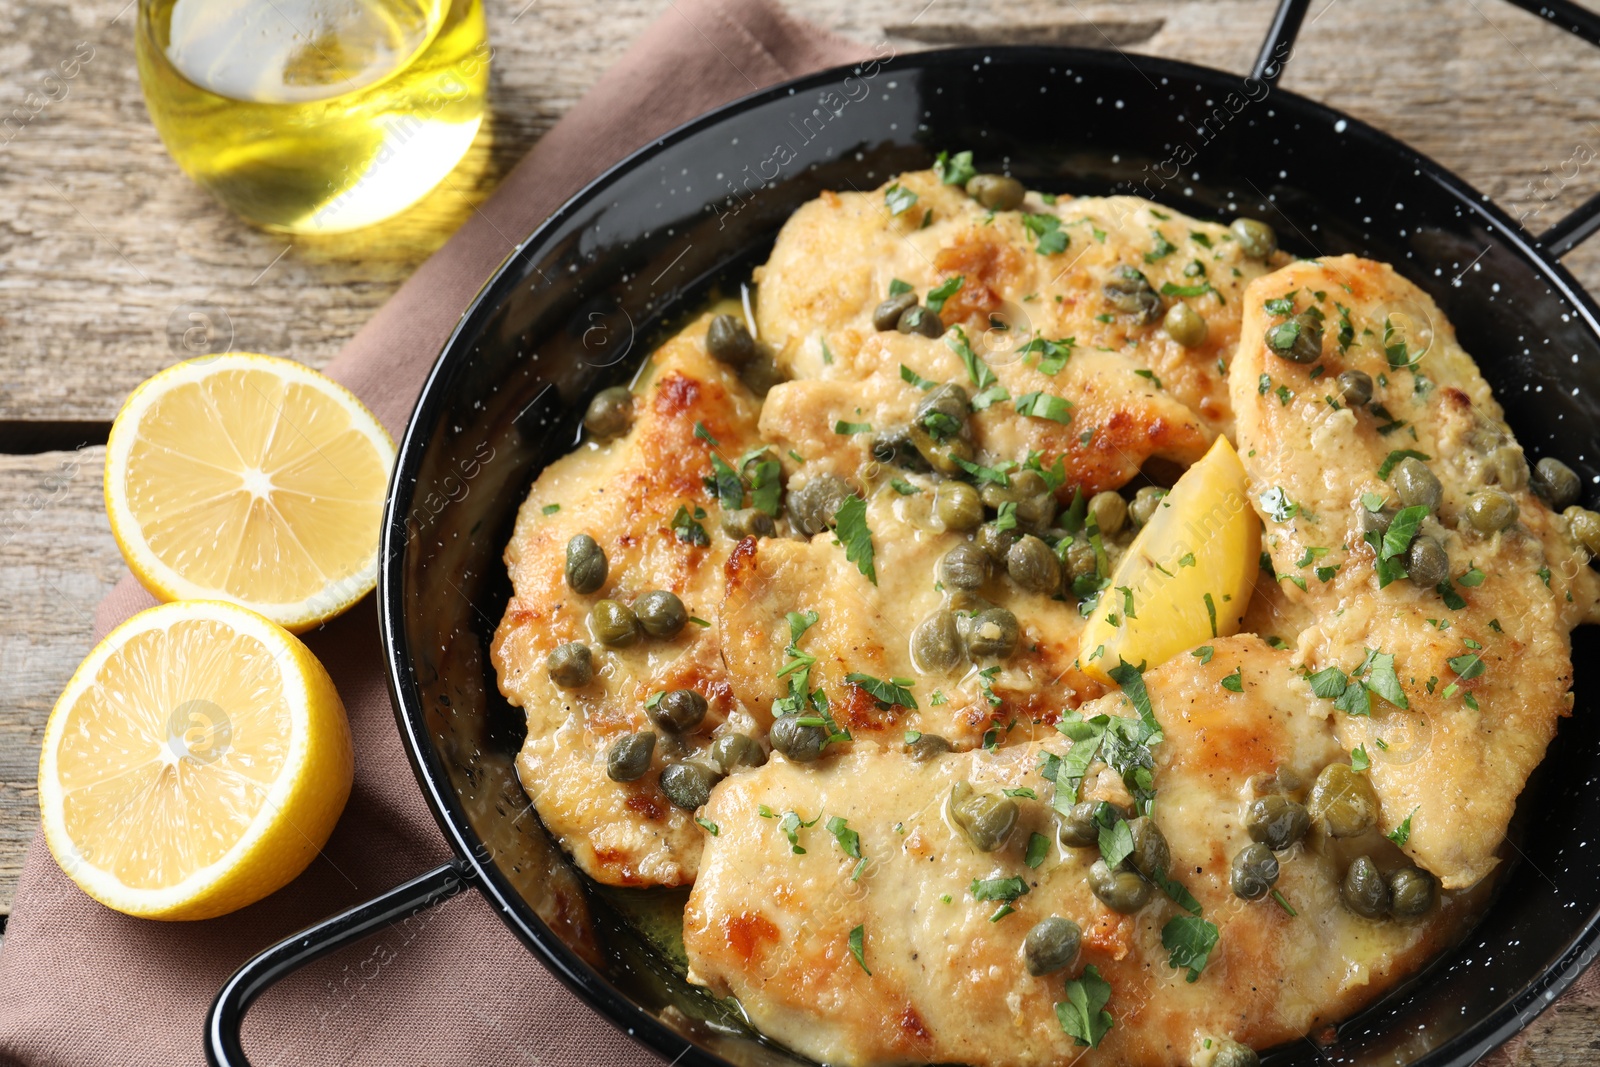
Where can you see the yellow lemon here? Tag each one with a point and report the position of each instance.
(1188, 575)
(249, 479)
(196, 762)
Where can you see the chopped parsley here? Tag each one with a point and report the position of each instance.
(704, 434)
(1161, 248)
(847, 429)
(1473, 578)
(1083, 1015)
(858, 947)
(1038, 849)
(903, 488)
(1045, 406)
(942, 292)
(1188, 941)
(1358, 758)
(899, 199)
(893, 693)
(912, 377)
(849, 842)
(896, 287)
(1393, 460)
(550, 509)
(1203, 653)
(725, 484)
(1402, 833)
(1047, 228)
(1278, 506)
(850, 523)
(1169, 289)
(956, 169)
(688, 530)
(790, 825)
(708, 826)
(1234, 683)
(1053, 355)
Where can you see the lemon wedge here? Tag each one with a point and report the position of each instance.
(249, 479)
(1188, 575)
(196, 762)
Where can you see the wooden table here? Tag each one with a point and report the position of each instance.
(105, 247)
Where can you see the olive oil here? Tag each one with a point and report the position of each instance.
(315, 116)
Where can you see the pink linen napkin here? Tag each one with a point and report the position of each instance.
(82, 986)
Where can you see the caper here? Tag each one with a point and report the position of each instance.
(957, 505)
(996, 191)
(1486, 435)
(1110, 512)
(688, 785)
(941, 455)
(586, 564)
(1033, 566)
(610, 412)
(1077, 827)
(896, 446)
(986, 818)
(1253, 872)
(1344, 800)
(991, 633)
(800, 743)
(886, 316)
(1556, 482)
(1120, 890)
(571, 666)
(1276, 821)
(944, 411)
(728, 340)
(762, 373)
(1412, 893)
(813, 506)
(660, 613)
(1256, 239)
(1233, 1054)
(1491, 510)
(614, 624)
(736, 750)
(1145, 502)
(920, 320)
(1585, 527)
(1414, 483)
(936, 643)
(1029, 493)
(1051, 946)
(1355, 387)
(679, 711)
(1506, 467)
(747, 522)
(1373, 521)
(629, 757)
(996, 542)
(1427, 562)
(1299, 340)
(1081, 560)
(1129, 292)
(1184, 325)
(966, 566)
(927, 747)
(1151, 853)
(1364, 890)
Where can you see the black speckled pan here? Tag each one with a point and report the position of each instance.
(581, 302)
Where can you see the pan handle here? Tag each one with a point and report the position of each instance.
(226, 1018)
(1584, 220)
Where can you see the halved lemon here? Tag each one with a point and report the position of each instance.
(1188, 575)
(196, 762)
(250, 479)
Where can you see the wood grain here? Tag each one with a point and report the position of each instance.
(105, 245)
